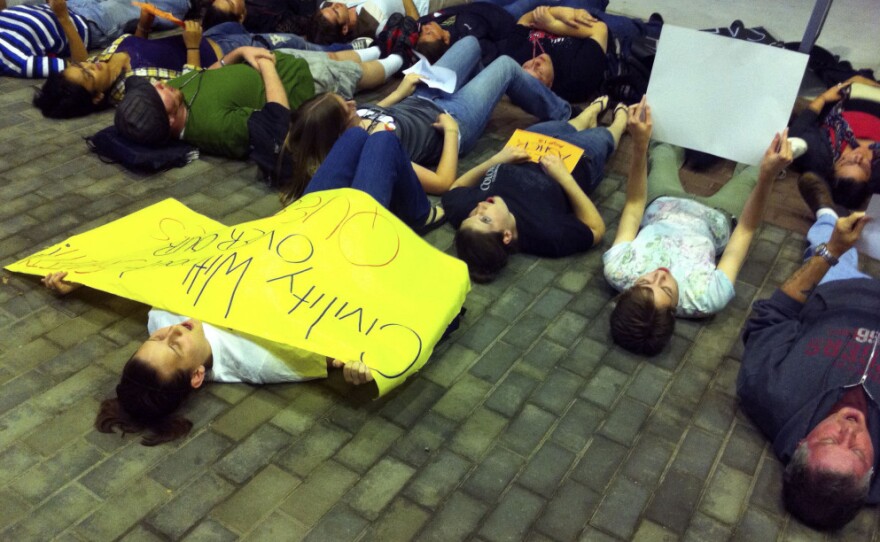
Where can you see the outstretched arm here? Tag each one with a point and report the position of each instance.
(507, 155)
(192, 38)
(583, 206)
(565, 21)
(438, 181)
(78, 51)
(406, 87)
(776, 158)
(637, 183)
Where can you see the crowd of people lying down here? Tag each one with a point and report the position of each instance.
(274, 81)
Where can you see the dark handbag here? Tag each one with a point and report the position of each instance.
(112, 148)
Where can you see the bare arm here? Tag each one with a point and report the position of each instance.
(637, 183)
(406, 87)
(409, 9)
(507, 155)
(145, 23)
(847, 230)
(773, 163)
(78, 51)
(583, 206)
(565, 21)
(274, 88)
(192, 38)
(438, 181)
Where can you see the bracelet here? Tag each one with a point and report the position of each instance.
(823, 252)
(192, 48)
(222, 63)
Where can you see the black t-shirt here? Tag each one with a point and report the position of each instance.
(487, 22)
(413, 120)
(545, 221)
(578, 63)
(267, 130)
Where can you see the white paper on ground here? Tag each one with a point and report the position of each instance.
(869, 241)
(434, 76)
(721, 95)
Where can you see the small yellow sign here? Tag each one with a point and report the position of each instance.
(537, 145)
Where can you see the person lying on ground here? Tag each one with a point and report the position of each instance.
(36, 40)
(663, 257)
(179, 357)
(410, 112)
(842, 136)
(504, 206)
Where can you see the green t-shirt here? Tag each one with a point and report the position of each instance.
(221, 101)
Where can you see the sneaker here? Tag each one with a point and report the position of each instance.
(815, 192)
(362, 42)
(798, 147)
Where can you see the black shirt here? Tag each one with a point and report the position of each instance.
(545, 222)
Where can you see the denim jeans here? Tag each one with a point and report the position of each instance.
(232, 35)
(378, 165)
(848, 266)
(598, 145)
(109, 17)
(473, 101)
(518, 8)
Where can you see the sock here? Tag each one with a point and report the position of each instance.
(368, 54)
(826, 211)
(391, 64)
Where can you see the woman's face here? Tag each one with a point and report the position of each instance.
(854, 164)
(181, 347)
(232, 7)
(350, 110)
(491, 215)
(95, 77)
(664, 286)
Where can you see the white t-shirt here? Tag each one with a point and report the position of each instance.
(683, 236)
(239, 357)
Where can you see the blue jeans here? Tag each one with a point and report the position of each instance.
(518, 8)
(231, 35)
(848, 267)
(598, 144)
(472, 103)
(378, 165)
(107, 18)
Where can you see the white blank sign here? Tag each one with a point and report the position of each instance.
(720, 95)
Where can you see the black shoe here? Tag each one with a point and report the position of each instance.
(815, 192)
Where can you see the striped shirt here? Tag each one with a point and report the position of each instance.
(32, 42)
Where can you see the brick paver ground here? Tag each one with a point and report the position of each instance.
(526, 424)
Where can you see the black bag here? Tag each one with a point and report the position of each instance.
(112, 148)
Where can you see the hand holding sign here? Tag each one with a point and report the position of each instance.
(538, 145)
(150, 8)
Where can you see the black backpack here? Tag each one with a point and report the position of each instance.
(112, 148)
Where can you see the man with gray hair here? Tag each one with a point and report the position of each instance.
(810, 375)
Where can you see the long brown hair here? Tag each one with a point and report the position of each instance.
(314, 128)
(146, 401)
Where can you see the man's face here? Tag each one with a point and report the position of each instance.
(172, 98)
(181, 347)
(855, 164)
(491, 215)
(432, 32)
(95, 77)
(664, 286)
(340, 15)
(541, 68)
(841, 443)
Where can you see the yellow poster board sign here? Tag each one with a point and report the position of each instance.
(538, 145)
(333, 274)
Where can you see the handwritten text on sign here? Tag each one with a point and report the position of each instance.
(334, 274)
(538, 145)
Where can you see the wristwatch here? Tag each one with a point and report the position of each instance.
(825, 254)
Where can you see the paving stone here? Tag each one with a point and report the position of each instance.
(437, 479)
(210, 531)
(705, 528)
(726, 495)
(251, 454)
(511, 393)
(620, 510)
(715, 412)
(671, 356)
(648, 460)
(378, 487)
(568, 511)
(649, 531)
(697, 453)
(767, 492)
(247, 506)
(493, 474)
(176, 517)
(319, 492)
(526, 330)
(567, 328)
(278, 527)
(598, 465)
(482, 333)
(416, 447)
(45, 478)
(319, 444)
(577, 425)
(743, 450)
(187, 461)
(411, 402)
(689, 384)
(585, 356)
(399, 523)
(594, 535)
(625, 420)
(246, 416)
(446, 368)
(462, 398)
(541, 359)
(512, 517)
(140, 534)
(368, 444)
(675, 501)
(14, 508)
(477, 433)
(622, 360)
(340, 523)
(756, 525)
(605, 386)
(555, 394)
(81, 384)
(458, 517)
(527, 429)
(511, 304)
(494, 363)
(303, 409)
(53, 516)
(119, 514)
(15, 460)
(648, 384)
(546, 469)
